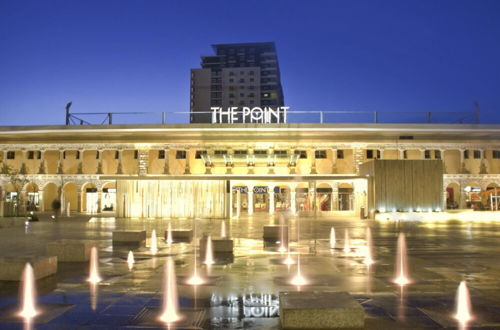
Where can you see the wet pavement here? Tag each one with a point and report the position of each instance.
(241, 290)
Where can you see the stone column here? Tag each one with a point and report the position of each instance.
(143, 161)
(334, 161)
(187, 169)
(250, 201)
(312, 196)
(238, 203)
(358, 158)
(251, 162)
(293, 200)
(313, 162)
(271, 198)
(41, 201)
(381, 153)
(270, 161)
(60, 166)
(463, 167)
(166, 167)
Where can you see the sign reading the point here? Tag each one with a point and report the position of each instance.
(264, 115)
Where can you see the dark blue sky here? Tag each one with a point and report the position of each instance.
(334, 55)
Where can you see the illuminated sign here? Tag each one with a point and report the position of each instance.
(265, 115)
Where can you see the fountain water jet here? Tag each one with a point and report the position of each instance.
(169, 239)
(130, 260)
(223, 229)
(347, 244)
(170, 311)
(94, 277)
(463, 305)
(402, 278)
(28, 310)
(209, 253)
(332, 238)
(195, 279)
(154, 244)
(368, 253)
(298, 280)
(289, 260)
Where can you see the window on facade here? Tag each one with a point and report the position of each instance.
(240, 152)
(199, 154)
(220, 152)
(180, 154)
(252, 80)
(466, 154)
(242, 80)
(369, 154)
(437, 154)
(231, 73)
(477, 154)
(117, 154)
(161, 154)
(97, 154)
(242, 72)
(64, 155)
(77, 156)
(496, 154)
(242, 94)
(31, 155)
(280, 153)
(250, 73)
(231, 80)
(301, 153)
(136, 154)
(260, 152)
(340, 154)
(427, 154)
(11, 154)
(39, 155)
(405, 154)
(320, 154)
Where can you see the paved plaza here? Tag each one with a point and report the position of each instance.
(241, 291)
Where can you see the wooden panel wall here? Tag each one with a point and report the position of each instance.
(405, 184)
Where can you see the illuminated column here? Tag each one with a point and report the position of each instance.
(313, 162)
(250, 200)
(401, 154)
(271, 199)
(238, 203)
(166, 167)
(381, 153)
(293, 200)
(60, 166)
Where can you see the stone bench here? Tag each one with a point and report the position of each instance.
(273, 233)
(129, 236)
(11, 269)
(219, 245)
(181, 235)
(70, 250)
(13, 222)
(320, 310)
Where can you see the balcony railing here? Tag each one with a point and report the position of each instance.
(293, 116)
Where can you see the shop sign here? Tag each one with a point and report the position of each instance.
(260, 190)
(241, 189)
(263, 115)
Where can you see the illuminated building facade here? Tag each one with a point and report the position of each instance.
(223, 170)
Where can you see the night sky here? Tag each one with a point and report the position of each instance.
(334, 55)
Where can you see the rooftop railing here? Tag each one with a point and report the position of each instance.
(293, 116)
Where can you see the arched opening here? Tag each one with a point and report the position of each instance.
(32, 197)
(302, 197)
(282, 197)
(90, 198)
(109, 196)
(492, 197)
(50, 194)
(324, 197)
(12, 199)
(453, 196)
(473, 196)
(346, 197)
(70, 195)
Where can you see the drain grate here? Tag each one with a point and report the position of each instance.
(191, 318)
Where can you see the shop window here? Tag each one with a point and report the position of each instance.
(31, 155)
(496, 154)
(340, 154)
(161, 154)
(320, 154)
(437, 154)
(427, 154)
(180, 154)
(301, 153)
(477, 154)
(199, 154)
(466, 154)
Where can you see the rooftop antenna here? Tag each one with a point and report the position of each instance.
(68, 106)
(477, 112)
